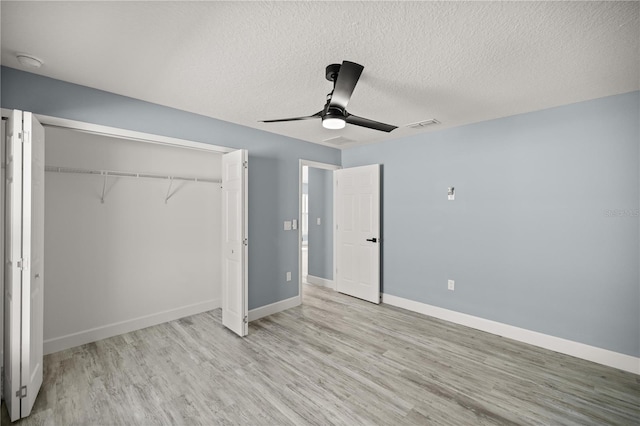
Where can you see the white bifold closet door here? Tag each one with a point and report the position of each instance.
(24, 226)
(235, 242)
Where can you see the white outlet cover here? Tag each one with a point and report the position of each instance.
(287, 225)
(288, 276)
(451, 284)
(318, 221)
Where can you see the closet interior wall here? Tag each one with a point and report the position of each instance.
(119, 255)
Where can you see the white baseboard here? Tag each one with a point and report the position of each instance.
(57, 344)
(273, 308)
(323, 282)
(557, 344)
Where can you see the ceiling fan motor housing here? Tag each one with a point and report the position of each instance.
(332, 72)
(334, 113)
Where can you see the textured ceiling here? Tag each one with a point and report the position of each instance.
(458, 62)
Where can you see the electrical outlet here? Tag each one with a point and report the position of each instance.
(319, 221)
(451, 284)
(287, 225)
(288, 276)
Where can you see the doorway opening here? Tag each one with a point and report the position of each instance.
(316, 233)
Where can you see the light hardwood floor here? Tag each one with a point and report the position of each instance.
(333, 360)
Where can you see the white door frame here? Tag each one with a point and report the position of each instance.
(49, 121)
(315, 165)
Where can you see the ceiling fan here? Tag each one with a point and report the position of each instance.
(334, 115)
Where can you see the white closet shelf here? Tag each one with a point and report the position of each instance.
(116, 173)
(120, 174)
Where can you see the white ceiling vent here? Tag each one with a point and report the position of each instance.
(421, 124)
(339, 140)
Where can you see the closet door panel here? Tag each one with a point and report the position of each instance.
(234, 242)
(13, 255)
(33, 256)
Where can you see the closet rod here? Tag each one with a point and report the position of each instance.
(115, 173)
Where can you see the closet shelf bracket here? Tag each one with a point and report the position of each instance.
(104, 185)
(169, 194)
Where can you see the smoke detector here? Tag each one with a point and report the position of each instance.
(29, 61)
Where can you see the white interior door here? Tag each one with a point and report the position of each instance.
(358, 232)
(234, 242)
(24, 239)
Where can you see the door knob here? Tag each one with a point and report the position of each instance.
(373, 240)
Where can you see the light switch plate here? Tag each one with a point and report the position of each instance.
(288, 276)
(294, 224)
(287, 225)
(318, 221)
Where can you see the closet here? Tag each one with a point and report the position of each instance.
(132, 229)
(137, 230)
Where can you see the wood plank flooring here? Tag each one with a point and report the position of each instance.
(333, 360)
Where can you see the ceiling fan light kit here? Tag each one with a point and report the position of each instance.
(334, 115)
(333, 119)
(333, 123)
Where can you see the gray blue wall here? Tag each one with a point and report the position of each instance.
(273, 163)
(321, 236)
(544, 231)
(543, 234)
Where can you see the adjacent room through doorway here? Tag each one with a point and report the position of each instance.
(317, 257)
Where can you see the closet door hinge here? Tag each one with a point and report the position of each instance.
(24, 137)
(245, 319)
(22, 392)
(245, 164)
(23, 264)
(245, 242)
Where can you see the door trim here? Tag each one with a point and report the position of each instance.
(81, 126)
(323, 166)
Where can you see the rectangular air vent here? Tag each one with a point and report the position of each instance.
(421, 124)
